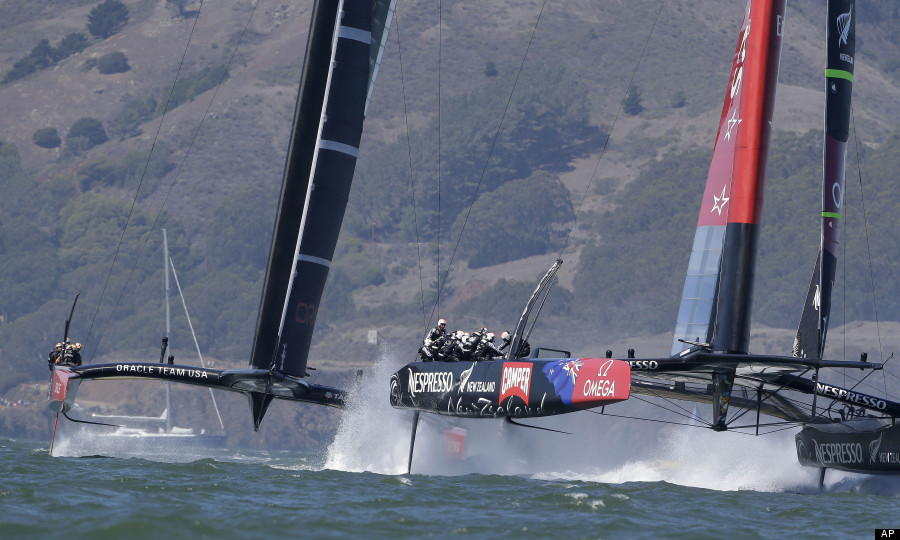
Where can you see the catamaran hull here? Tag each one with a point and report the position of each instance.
(273, 384)
(63, 387)
(865, 445)
(524, 388)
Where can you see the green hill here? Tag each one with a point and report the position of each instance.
(476, 105)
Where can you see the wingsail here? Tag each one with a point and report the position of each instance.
(718, 291)
(343, 53)
(713, 323)
(840, 54)
(867, 437)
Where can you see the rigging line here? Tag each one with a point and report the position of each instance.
(776, 430)
(609, 133)
(673, 411)
(187, 153)
(770, 424)
(682, 411)
(866, 229)
(488, 158)
(702, 426)
(194, 335)
(861, 380)
(412, 184)
(869, 252)
(140, 182)
(770, 394)
(440, 58)
(645, 419)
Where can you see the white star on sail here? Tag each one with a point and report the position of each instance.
(733, 121)
(721, 199)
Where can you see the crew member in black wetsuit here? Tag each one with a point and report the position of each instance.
(433, 342)
(486, 349)
(524, 347)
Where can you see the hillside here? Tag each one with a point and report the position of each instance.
(220, 155)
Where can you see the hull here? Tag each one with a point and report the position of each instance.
(65, 381)
(525, 388)
(865, 445)
(63, 388)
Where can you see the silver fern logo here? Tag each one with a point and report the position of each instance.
(873, 449)
(464, 377)
(843, 24)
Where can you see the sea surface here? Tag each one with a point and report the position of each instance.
(260, 495)
(606, 478)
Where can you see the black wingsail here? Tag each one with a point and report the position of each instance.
(342, 53)
(841, 48)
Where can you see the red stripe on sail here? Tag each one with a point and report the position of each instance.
(734, 187)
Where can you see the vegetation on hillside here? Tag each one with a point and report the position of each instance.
(43, 55)
(630, 273)
(47, 138)
(85, 134)
(104, 20)
(107, 18)
(546, 125)
(114, 62)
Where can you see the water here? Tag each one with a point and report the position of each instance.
(609, 479)
(284, 495)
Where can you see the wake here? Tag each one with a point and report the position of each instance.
(374, 437)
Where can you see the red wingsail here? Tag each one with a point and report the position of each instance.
(715, 306)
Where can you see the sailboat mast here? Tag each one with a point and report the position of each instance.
(168, 329)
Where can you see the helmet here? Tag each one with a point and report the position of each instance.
(490, 337)
(59, 345)
(504, 335)
(442, 322)
(78, 346)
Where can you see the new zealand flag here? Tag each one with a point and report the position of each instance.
(562, 375)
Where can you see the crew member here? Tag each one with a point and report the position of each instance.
(486, 349)
(433, 342)
(524, 347)
(66, 354)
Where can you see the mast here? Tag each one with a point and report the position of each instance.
(168, 329)
(717, 299)
(840, 54)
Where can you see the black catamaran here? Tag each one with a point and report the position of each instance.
(859, 441)
(512, 386)
(710, 358)
(343, 52)
(509, 387)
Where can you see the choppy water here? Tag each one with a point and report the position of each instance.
(281, 496)
(607, 480)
